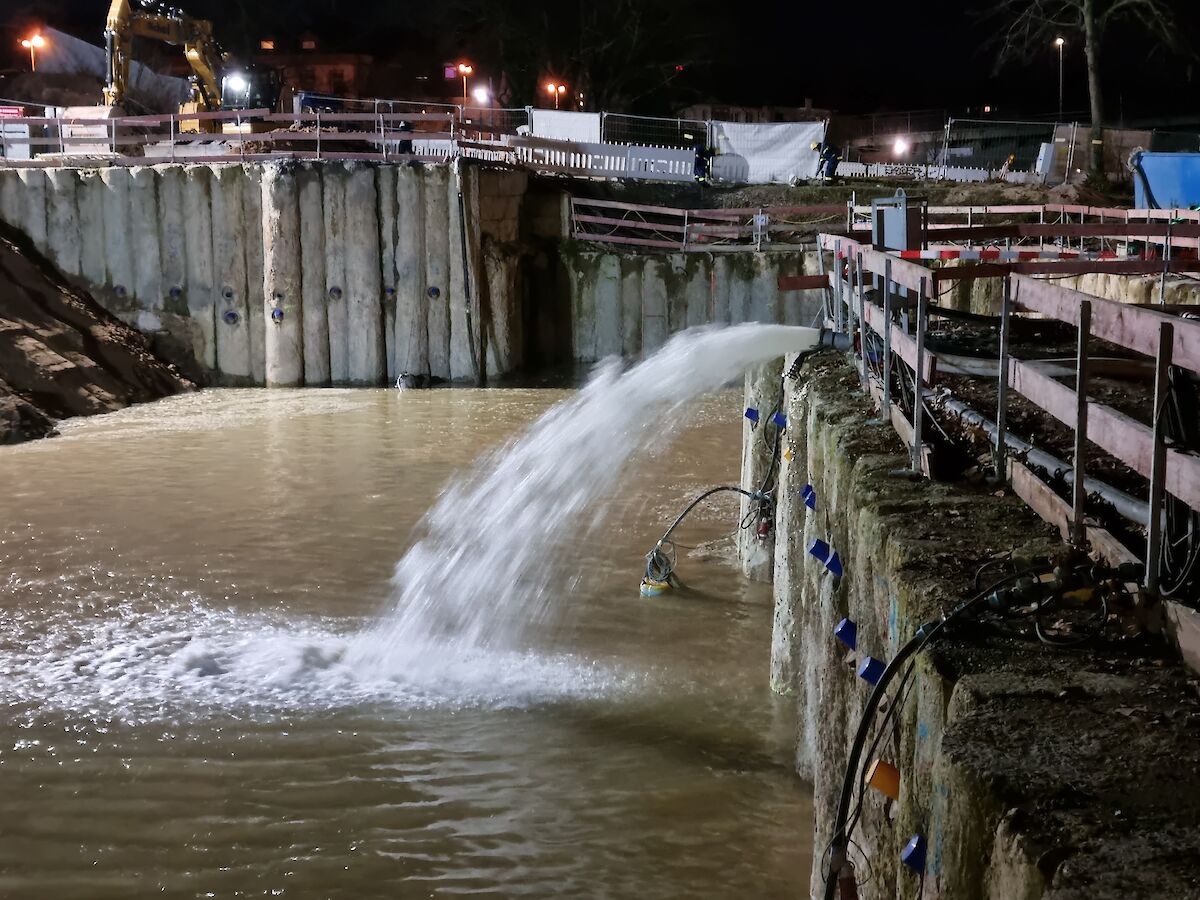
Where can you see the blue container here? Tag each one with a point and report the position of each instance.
(847, 632)
(913, 854)
(871, 669)
(1166, 180)
(751, 414)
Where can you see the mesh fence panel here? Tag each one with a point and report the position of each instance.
(1175, 141)
(491, 123)
(989, 145)
(618, 128)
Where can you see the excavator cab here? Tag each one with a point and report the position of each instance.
(251, 88)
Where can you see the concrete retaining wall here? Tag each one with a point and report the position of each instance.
(293, 274)
(631, 303)
(1008, 751)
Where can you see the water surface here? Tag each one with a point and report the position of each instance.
(180, 582)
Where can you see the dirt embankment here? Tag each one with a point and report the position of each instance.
(62, 354)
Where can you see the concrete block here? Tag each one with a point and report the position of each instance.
(313, 279)
(462, 338)
(364, 282)
(172, 236)
(118, 236)
(677, 278)
(11, 197)
(334, 178)
(252, 196)
(721, 289)
(282, 300)
(608, 307)
(92, 249)
(698, 291)
(33, 206)
(385, 177)
(584, 270)
(62, 219)
(147, 252)
(437, 267)
(654, 305)
(504, 344)
(631, 305)
(411, 337)
(202, 293)
(229, 268)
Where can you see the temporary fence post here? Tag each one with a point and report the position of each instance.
(821, 271)
(837, 291)
(685, 230)
(1158, 465)
(171, 119)
(1162, 281)
(1002, 382)
(919, 377)
(1079, 492)
(887, 340)
(1042, 221)
(318, 134)
(862, 323)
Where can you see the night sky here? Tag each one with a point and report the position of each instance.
(852, 57)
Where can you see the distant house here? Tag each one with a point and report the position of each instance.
(723, 112)
(305, 67)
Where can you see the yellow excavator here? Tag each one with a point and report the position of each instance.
(214, 86)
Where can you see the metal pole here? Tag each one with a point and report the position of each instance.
(1079, 463)
(1002, 383)
(318, 134)
(1158, 465)
(1060, 81)
(919, 377)
(171, 118)
(1162, 281)
(837, 291)
(862, 324)
(685, 230)
(887, 340)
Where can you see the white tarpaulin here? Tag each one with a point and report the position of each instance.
(147, 89)
(765, 152)
(561, 125)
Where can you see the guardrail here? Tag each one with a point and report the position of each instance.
(894, 319)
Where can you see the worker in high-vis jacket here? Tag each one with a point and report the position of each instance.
(827, 159)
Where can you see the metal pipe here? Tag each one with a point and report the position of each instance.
(887, 340)
(1079, 495)
(1002, 383)
(1158, 464)
(919, 378)
(1128, 506)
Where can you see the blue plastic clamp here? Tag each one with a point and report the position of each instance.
(751, 413)
(913, 854)
(847, 632)
(779, 420)
(871, 669)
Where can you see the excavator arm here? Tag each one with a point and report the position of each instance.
(171, 27)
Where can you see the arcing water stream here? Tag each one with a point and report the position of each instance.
(201, 699)
(491, 562)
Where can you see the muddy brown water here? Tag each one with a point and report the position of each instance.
(179, 580)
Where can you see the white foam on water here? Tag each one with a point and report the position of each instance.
(489, 561)
(181, 658)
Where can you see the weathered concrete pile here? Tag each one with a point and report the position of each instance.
(1031, 771)
(62, 354)
(286, 274)
(627, 303)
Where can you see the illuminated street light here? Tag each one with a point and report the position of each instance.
(1060, 43)
(900, 147)
(482, 95)
(33, 44)
(465, 69)
(556, 91)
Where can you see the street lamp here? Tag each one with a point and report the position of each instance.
(556, 91)
(33, 44)
(481, 95)
(1060, 43)
(465, 69)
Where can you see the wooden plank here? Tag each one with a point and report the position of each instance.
(902, 344)
(1132, 327)
(1114, 432)
(1134, 230)
(628, 223)
(617, 239)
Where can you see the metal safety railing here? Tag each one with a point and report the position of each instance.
(888, 302)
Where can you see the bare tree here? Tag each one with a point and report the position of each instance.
(1031, 25)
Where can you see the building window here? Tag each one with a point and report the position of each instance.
(308, 44)
(266, 45)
